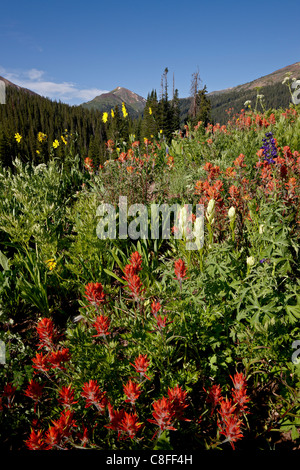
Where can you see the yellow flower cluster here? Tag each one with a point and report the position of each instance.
(41, 137)
(55, 144)
(18, 137)
(51, 264)
(105, 117)
(124, 111)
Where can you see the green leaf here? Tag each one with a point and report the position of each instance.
(163, 442)
(4, 262)
(110, 273)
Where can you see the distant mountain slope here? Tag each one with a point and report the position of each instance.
(267, 80)
(134, 103)
(13, 85)
(276, 95)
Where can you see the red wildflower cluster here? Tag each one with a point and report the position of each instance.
(94, 396)
(54, 360)
(45, 330)
(9, 392)
(141, 364)
(54, 357)
(134, 283)
(102, 324)
(36, 441)
(88, 164)
(67, 396)
(167, 410)
(110, 144)
(35, 391)
(94, 294)
(281, 176)
(250, 120)
(209, 191)
(231, 409)
(126, 424)
(212, 171)
(132, 391)
(155, 307)
(214, 396)
(180, 270)
(57, 436)
(239, 161)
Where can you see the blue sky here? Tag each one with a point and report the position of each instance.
(74, 50)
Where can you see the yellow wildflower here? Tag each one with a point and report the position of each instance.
(112, 113)
(18, 137)
(63, 139)
(41, 137)
(55, 144)
(51, 264)
(125, 114)
(105, 117)
(150, 111)
(38, 152)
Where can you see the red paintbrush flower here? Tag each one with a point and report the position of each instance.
(36, 441)
(94, 396)
(94, 293)
(45, 331)
(34, 390)
(177, 398)
(83, 436)
(231, 429)
(101, 324)
(65, 423)
(141, 364)
(163, 415)
(155, 307)
(9, 392)
(240, 399)
(180, 270)
(58, 434)
(40, 363)
(132, 391)
(115, 417)
(56, 358)
(88, 163)
(135, 285)
(239, 381)
(214, 396)
(133, 281)
(53, 437)
(129, 424)
(67, 396)
(161, 322)
(136, 261)
(227, 408)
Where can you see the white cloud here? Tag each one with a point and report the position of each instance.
(34, 74)
(67, 92)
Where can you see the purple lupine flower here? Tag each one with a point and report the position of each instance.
(269, 148)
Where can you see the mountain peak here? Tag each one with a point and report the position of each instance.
(135, 103)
